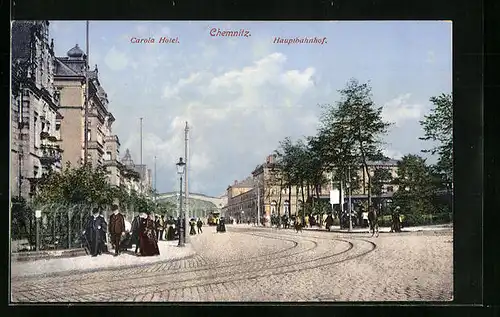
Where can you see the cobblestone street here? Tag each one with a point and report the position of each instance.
(263, 264)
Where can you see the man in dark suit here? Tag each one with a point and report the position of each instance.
(116, 228)
(135, 231)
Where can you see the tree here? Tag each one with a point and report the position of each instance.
(416, 186)
(353, 128)
(80, 185)
(381, 176)
(438, 127)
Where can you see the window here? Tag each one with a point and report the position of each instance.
(35, 130)
(58, 126)
(390, 189)
(108, 156)
(35, 171)
(89, 134)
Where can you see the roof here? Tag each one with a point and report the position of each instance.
(21, 40)
(390, 162)
(127, 158)
(64, 70)
(75, 52)
(246, 183)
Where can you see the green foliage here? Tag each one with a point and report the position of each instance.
(381, 176)
(438, 128)
(88, 186)
(76, 185)
(351, 130)
(416, 186)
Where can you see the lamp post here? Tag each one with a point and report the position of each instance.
(350, 198)
(273, 207)
(180, 171)
(38, 215)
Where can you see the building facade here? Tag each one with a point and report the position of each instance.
(266, 187)
(35, 120)
(102, 145)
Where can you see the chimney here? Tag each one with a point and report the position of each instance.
(235, 182)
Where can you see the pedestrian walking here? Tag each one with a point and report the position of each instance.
(329, 222)
(95, 230)
(135, 232)
(373, 220)
(148, 238)
(170, 230)
(159, 227)
(199, 224)
(192, 224)
(116, 228)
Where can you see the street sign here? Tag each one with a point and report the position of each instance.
(334, 196)
(38, 213)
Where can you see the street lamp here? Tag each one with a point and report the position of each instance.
(38, 215)
(180, 171)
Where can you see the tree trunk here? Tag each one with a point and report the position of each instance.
(365, 165)
(289, 199)
(296, 200)
(279, 199)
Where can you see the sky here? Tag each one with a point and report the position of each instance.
(242, 95)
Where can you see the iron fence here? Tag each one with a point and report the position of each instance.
(59, 227)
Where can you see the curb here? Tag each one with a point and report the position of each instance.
(388, 231)
(110, 268)
(43, 255)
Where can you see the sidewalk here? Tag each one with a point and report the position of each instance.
(168, 251)
(386, 229)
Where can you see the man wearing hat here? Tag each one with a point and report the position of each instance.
(116, 228)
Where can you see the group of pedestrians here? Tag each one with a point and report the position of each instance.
(142, 232)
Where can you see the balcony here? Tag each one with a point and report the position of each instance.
(50, 154)
(96, 146)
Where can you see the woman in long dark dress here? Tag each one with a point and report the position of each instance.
(147, 237)
(171, 230)
(192, 223)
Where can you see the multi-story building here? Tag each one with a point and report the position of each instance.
(102, 144)
(35, 120)
(266, 184)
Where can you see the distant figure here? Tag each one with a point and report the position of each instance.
(170, 230)
(116, 228)
(373, 220)
(396, 223)
(192, 224)
(297, 224)
(329, 222)
(95, 230)
(221, 226)
(199, 224)
(159, 227)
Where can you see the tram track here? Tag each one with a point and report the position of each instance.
(126, 270)
(215, 275)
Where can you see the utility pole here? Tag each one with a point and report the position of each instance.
(258, 203)
(143, 175)
(350, 194)
(86, 104)
(186, 190)
(155, 180)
